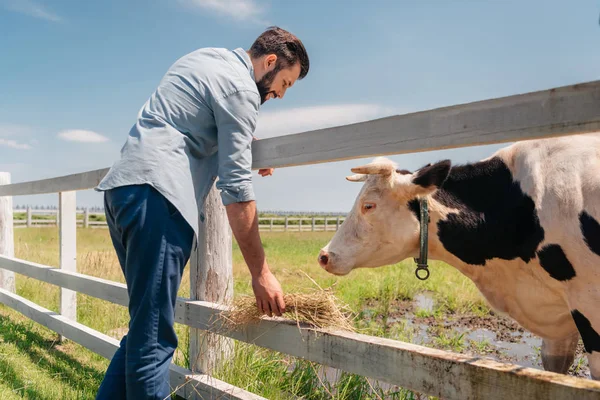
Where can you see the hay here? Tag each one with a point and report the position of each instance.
(319, 308)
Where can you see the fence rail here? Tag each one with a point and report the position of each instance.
(269, 224)
(417, 367)
(560, 111)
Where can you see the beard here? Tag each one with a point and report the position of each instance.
(264, 85)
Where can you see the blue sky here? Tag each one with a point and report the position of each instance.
(75, 73)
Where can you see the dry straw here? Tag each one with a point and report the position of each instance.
(318, 308)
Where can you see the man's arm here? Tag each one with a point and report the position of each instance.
(235, 116)
(243, 219)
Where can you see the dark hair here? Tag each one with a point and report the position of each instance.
(286, 46)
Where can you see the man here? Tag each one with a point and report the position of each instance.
(197, 125)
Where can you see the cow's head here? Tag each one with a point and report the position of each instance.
(381, 229)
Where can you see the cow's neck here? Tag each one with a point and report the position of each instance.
(481, 214)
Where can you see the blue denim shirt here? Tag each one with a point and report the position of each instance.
(197, 125)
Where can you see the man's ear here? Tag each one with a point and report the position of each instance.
(432, 176)
(270, 61)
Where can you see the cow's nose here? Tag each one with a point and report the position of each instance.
(323, 258)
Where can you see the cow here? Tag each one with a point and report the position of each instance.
(522, 224)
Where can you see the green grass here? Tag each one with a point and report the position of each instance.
(481, 346)
(32, 365)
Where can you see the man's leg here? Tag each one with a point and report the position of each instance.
(158, 242)
(113, 385)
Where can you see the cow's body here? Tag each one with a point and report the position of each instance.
(522, 224)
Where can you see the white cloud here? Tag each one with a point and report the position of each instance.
(11, 131)
(14, 144)
(240, 10)
(80, 135)
(303, 119)
(31, 8)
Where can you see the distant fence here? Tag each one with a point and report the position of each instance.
(269, 224)
(300, 224)
(51, 218)
(556, 112)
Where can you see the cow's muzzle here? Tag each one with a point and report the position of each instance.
(324, 258)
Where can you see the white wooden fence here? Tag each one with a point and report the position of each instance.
(560, 111)
(269, 224)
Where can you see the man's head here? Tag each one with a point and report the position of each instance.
(279, 59)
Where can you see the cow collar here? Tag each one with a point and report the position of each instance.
(423, 239)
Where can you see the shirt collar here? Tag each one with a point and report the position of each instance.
(245, 58)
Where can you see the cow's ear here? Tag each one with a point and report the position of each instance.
(432, 176)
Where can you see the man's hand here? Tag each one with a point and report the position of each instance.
(269, 296)
(265, 171)
(243, 220)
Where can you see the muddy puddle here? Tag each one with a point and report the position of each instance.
(493, 336)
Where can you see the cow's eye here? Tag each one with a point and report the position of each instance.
(369, 206)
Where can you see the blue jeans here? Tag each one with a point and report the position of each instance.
(153, 243)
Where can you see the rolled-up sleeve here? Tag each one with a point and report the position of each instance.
(236, 116)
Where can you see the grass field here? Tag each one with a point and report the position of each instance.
(33, 365)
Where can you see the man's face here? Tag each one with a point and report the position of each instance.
(274, 82)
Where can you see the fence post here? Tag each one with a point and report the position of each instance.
(86, 218)
(29, 216)
(211, 279)
(325, 229)
(67, 228)
(337, 224)
(271, 228)
(7, 242)
(313, 224)
(286, 223)
(300, 224)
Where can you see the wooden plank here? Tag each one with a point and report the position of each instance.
(7, 241)
(186, 384)
(67, 232)
(559, 111)
(87, 337)
(97, 287)
(202, 386)
(434, 372)
(211, 279)
(79, 181)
